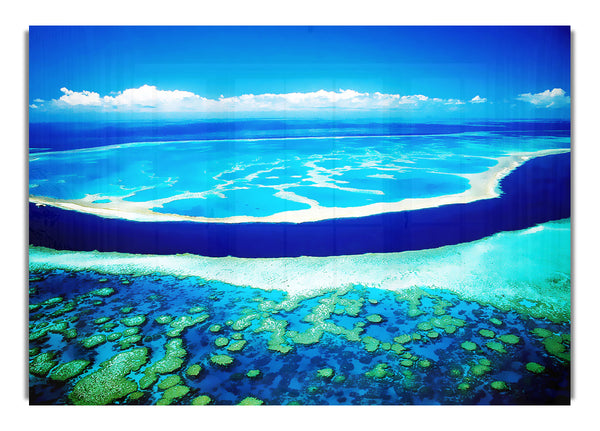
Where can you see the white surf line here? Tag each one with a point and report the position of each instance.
(469, 270)
(483, 185)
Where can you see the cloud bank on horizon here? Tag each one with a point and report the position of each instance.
(148, 98)
(555, 98)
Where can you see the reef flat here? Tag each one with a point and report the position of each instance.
(402, 328)
(536, 192)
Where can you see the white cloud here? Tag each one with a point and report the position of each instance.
(39, 100)
(33, 106)
(148, 97)
(478, 99)
(555, 98)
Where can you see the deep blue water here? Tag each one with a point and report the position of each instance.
(72, 135)
(536, 192)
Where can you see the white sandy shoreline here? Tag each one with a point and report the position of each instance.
(483, 185)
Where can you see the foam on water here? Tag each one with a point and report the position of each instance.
(501, 270)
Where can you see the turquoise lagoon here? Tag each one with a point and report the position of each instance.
(257, 178)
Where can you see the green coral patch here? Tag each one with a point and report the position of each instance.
(221, 360)
(469, 345)
(402, 339)
(237, 346)
(109, 383)
(128, 342)
(325, 373)
(134, 321)
(277, 341)
(184, 322)
(171, 362)
(375, 318)
(169, 381)
(496, 346)
(487, 333)
(164, 319)
(541, 332)
(173, 393)
(555, 347)
(221, 341)
(104, 292)
(202, 400)
(215, 328)
(370, 343)
(194, 370)
(479, 370)
(499, 385)
(251, 401)
(93, 341)
(424, 326)
(253, 373)
(42, 363)
(69, 370)
(509, 339)
(380, 371)
(114, 336)
(535, 368)
(424, 363)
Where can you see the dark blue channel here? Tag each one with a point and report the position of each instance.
(537, 192)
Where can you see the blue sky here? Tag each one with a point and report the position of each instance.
(202, 72)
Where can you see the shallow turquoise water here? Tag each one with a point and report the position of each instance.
(377, 169)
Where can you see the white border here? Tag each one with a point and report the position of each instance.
(18, 16)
